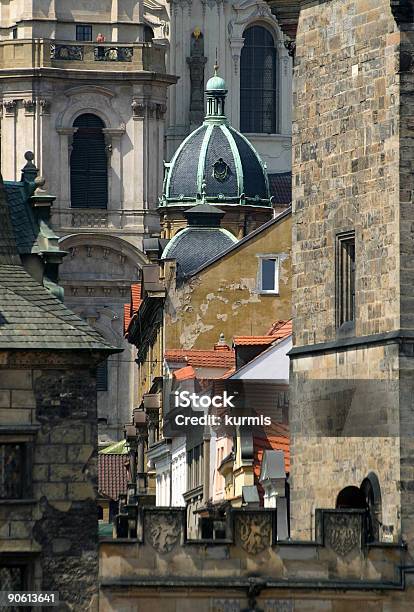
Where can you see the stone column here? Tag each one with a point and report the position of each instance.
(115, 174)
(66, 140)
(8, 139)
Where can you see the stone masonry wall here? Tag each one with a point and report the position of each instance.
(346, 163)
(344, 425)
(54, 410)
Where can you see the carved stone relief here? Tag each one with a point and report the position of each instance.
(163, 530)
(342, 532)
(253, 532)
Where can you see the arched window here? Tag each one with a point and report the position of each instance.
(258, 82)
(88, 164)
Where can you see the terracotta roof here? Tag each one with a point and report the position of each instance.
(132, 308)
(199, 358)
(136, 299)
(127, 317)
(254, 340)
(275, 437)
(112, 475)
(279, 330)
(186, 373)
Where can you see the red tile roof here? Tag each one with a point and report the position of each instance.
(274, 437)
(279, 330)
(186, 373)
(112, 475)
(132, 308)
(136, 299)
(253, 340)
(127, 317)
(198, 358)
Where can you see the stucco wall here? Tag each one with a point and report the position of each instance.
(223, 298)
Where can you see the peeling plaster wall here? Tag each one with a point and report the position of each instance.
(224, 296)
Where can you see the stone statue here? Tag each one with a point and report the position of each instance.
(196, 62)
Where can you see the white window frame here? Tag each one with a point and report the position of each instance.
(276, 258)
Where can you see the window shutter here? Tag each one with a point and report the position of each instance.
(88, 164)
(102, 376)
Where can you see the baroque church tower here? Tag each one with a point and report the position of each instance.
(83, 86)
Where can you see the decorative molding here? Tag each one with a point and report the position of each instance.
(113, 54)
(161, 110)
(29, 106)
(66, 52)
(138, 109)
(225, 605)
(44, 105)
(10, 107)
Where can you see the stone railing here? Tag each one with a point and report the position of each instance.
(339, 554)
(47, 53)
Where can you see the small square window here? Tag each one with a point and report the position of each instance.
(84, 33)
(268, 276)
(12, 470)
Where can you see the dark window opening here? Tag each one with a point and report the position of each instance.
(84, 32)
(258, 82)
(148, 34)
(100, 513)
(12, 470)
(102, 376)
(14, 33)
(351, 498)
(88, 164)
(345, 277)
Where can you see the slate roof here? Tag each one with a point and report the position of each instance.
(240, 243)
(25, 228)
(280, 185)
(240, 169)
(32, 318)
(194, 246)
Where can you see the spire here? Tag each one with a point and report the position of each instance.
(216, 91)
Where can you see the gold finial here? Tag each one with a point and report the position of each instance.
(197, 33)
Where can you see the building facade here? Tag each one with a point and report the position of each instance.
(82, 88)
(48, 412)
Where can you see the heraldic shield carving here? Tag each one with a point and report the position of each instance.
(163, 530)
(253, 532)
(342, 532)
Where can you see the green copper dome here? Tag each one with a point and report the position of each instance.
(216, 162)
(216, 83)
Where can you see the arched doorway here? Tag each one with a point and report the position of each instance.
(371, 490)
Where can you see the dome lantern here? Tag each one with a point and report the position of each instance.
(216, 91)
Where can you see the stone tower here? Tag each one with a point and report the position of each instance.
(82, 88)
(353, 280)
